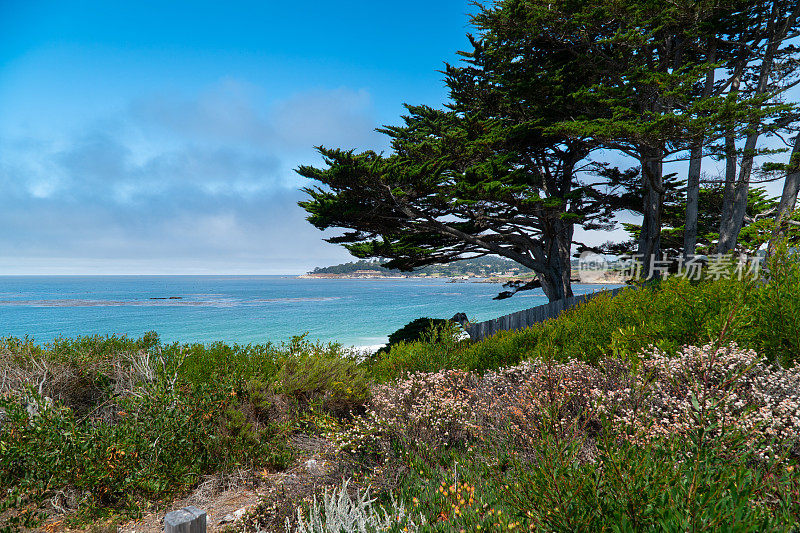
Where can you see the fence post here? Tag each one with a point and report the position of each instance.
(187, 520)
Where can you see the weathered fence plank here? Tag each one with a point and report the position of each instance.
(187, 520)
(529, 317)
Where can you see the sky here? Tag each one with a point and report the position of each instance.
(162, 137)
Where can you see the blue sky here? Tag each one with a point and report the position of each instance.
(161, 137)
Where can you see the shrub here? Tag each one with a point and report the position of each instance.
(718, 390)
(544, 463)
(712, 389)
(326, 380)
(157, 419)
(776, 316)
(160, 443)
(413, 331)
(441, 347)
(667, 485)
(669, 315)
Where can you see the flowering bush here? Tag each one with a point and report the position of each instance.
(715, 389)
(435, 408)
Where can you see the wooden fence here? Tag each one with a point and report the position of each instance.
(529, 317)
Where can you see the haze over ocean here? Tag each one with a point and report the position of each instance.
(241, 309)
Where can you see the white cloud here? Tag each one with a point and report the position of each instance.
(204, 184)
(236, 112)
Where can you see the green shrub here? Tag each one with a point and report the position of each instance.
(413, 331)
(160, 417)
(439, 348)
(215, 362)
(94, 348)
(666, 485)
(673, 313)
(320, 379)
(775, 331)
(160, 443)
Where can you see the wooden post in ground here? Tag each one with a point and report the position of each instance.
(187, 520)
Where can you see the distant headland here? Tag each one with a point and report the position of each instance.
(484, 267)
(481, 270)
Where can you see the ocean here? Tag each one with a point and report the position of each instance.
(242, 309)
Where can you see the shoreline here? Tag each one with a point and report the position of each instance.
(585, 277)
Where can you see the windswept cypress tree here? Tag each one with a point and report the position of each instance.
(452, 188)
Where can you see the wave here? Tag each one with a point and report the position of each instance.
(161, 301)
(111, 303)
(298, 299)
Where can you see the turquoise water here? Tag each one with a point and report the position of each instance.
(241, 309)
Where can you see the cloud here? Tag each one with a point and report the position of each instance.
(316, 118)
(176, 185)
(266, 233)
(233, 111)
(230, 111)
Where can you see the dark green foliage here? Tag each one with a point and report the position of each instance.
(667, 485)
(326, 381)
(776, 319)
(490, 174)
(412, 332)
(639, 488)
(449, 191)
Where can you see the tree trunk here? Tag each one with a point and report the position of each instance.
(692, 202)
(650, 238)
(693, 178)
(791, 187)
(728, 192)
(556, 279)
(731, 160)
(553, 285)
(729, 235)
(729, 230)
